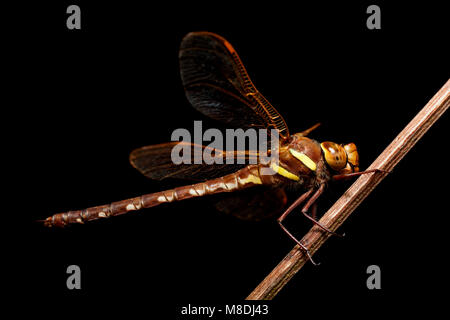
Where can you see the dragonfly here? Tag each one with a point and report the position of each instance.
(217, 84)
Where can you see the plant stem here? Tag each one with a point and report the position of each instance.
(351, 199)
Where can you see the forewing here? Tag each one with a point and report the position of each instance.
(156, 162)
(217, 84)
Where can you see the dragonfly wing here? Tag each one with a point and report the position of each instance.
(157, 161)
(217, 84)
(254, 204)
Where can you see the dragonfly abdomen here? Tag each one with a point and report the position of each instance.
(244, 178)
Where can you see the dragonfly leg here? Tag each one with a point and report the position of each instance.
(297, 202)
(302, 246)
(311, 202)
(294, 205)
(314, 211)
(354, 174)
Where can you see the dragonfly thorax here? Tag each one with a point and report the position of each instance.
(304, 157)
(300, 158)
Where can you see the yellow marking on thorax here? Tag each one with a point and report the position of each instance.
(304, 159)
(284, 172)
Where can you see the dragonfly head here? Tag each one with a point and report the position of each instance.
(341, 158)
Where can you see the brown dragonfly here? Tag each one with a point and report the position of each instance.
(217, 84)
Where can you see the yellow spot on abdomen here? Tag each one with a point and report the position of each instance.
(250, 179)
(131, 207)
(304, 159)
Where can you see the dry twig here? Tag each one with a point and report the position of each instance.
(342, 209)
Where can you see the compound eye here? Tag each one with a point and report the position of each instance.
(335, 155)
(352, 154)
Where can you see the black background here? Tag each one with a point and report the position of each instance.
(84, 99)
